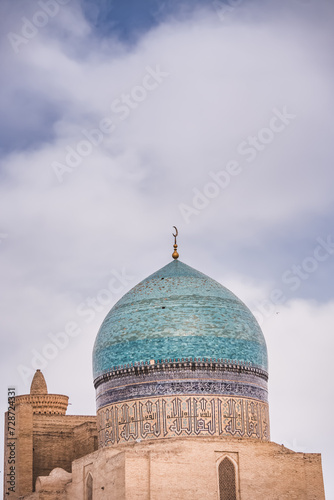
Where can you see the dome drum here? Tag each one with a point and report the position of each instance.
(189, 377)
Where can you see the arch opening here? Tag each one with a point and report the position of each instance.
(227, 480)
(89, 487)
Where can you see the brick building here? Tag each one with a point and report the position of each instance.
(180, 371)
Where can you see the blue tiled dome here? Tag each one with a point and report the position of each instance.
(178, 313)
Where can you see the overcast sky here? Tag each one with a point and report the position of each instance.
(120, 119)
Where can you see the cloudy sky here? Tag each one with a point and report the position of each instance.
(120, 119)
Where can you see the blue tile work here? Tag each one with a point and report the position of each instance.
(171, 387)
(176, 313)
(180, 378)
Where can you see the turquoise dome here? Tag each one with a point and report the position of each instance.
(176, 313)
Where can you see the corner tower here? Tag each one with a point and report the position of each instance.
(41, 437)
(180, 355)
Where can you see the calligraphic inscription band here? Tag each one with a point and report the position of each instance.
(182, 416)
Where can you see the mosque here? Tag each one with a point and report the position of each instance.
(180, 370)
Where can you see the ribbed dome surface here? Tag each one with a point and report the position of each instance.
(178, 313)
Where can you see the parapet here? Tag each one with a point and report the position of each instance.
(40, 400)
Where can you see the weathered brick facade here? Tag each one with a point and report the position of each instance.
(49, 441)
(180, 371)
(45, 437)
(183, 469)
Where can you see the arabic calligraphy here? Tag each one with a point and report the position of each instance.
(156, 418)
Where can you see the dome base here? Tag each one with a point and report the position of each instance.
(182, 416)
(165, 378)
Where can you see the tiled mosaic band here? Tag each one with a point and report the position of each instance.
(182, 416)
(213, 365)
(189, 378)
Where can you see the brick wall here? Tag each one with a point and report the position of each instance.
(188, 468)
(46, 441)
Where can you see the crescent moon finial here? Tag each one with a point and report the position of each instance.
(175, 254)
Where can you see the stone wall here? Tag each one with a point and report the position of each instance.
(44, 442)
(60, 439)
(184, 469)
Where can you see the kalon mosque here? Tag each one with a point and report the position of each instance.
(180, 370)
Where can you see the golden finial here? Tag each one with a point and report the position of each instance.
(175, 255)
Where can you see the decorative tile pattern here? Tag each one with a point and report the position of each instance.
(178, 312)
(182, 416)
(181, 378)
(185, 387)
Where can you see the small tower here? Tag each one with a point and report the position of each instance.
(40, 400)
(38, 384)
(45, 437)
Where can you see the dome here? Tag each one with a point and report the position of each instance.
(180, 356)
(178, 313)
